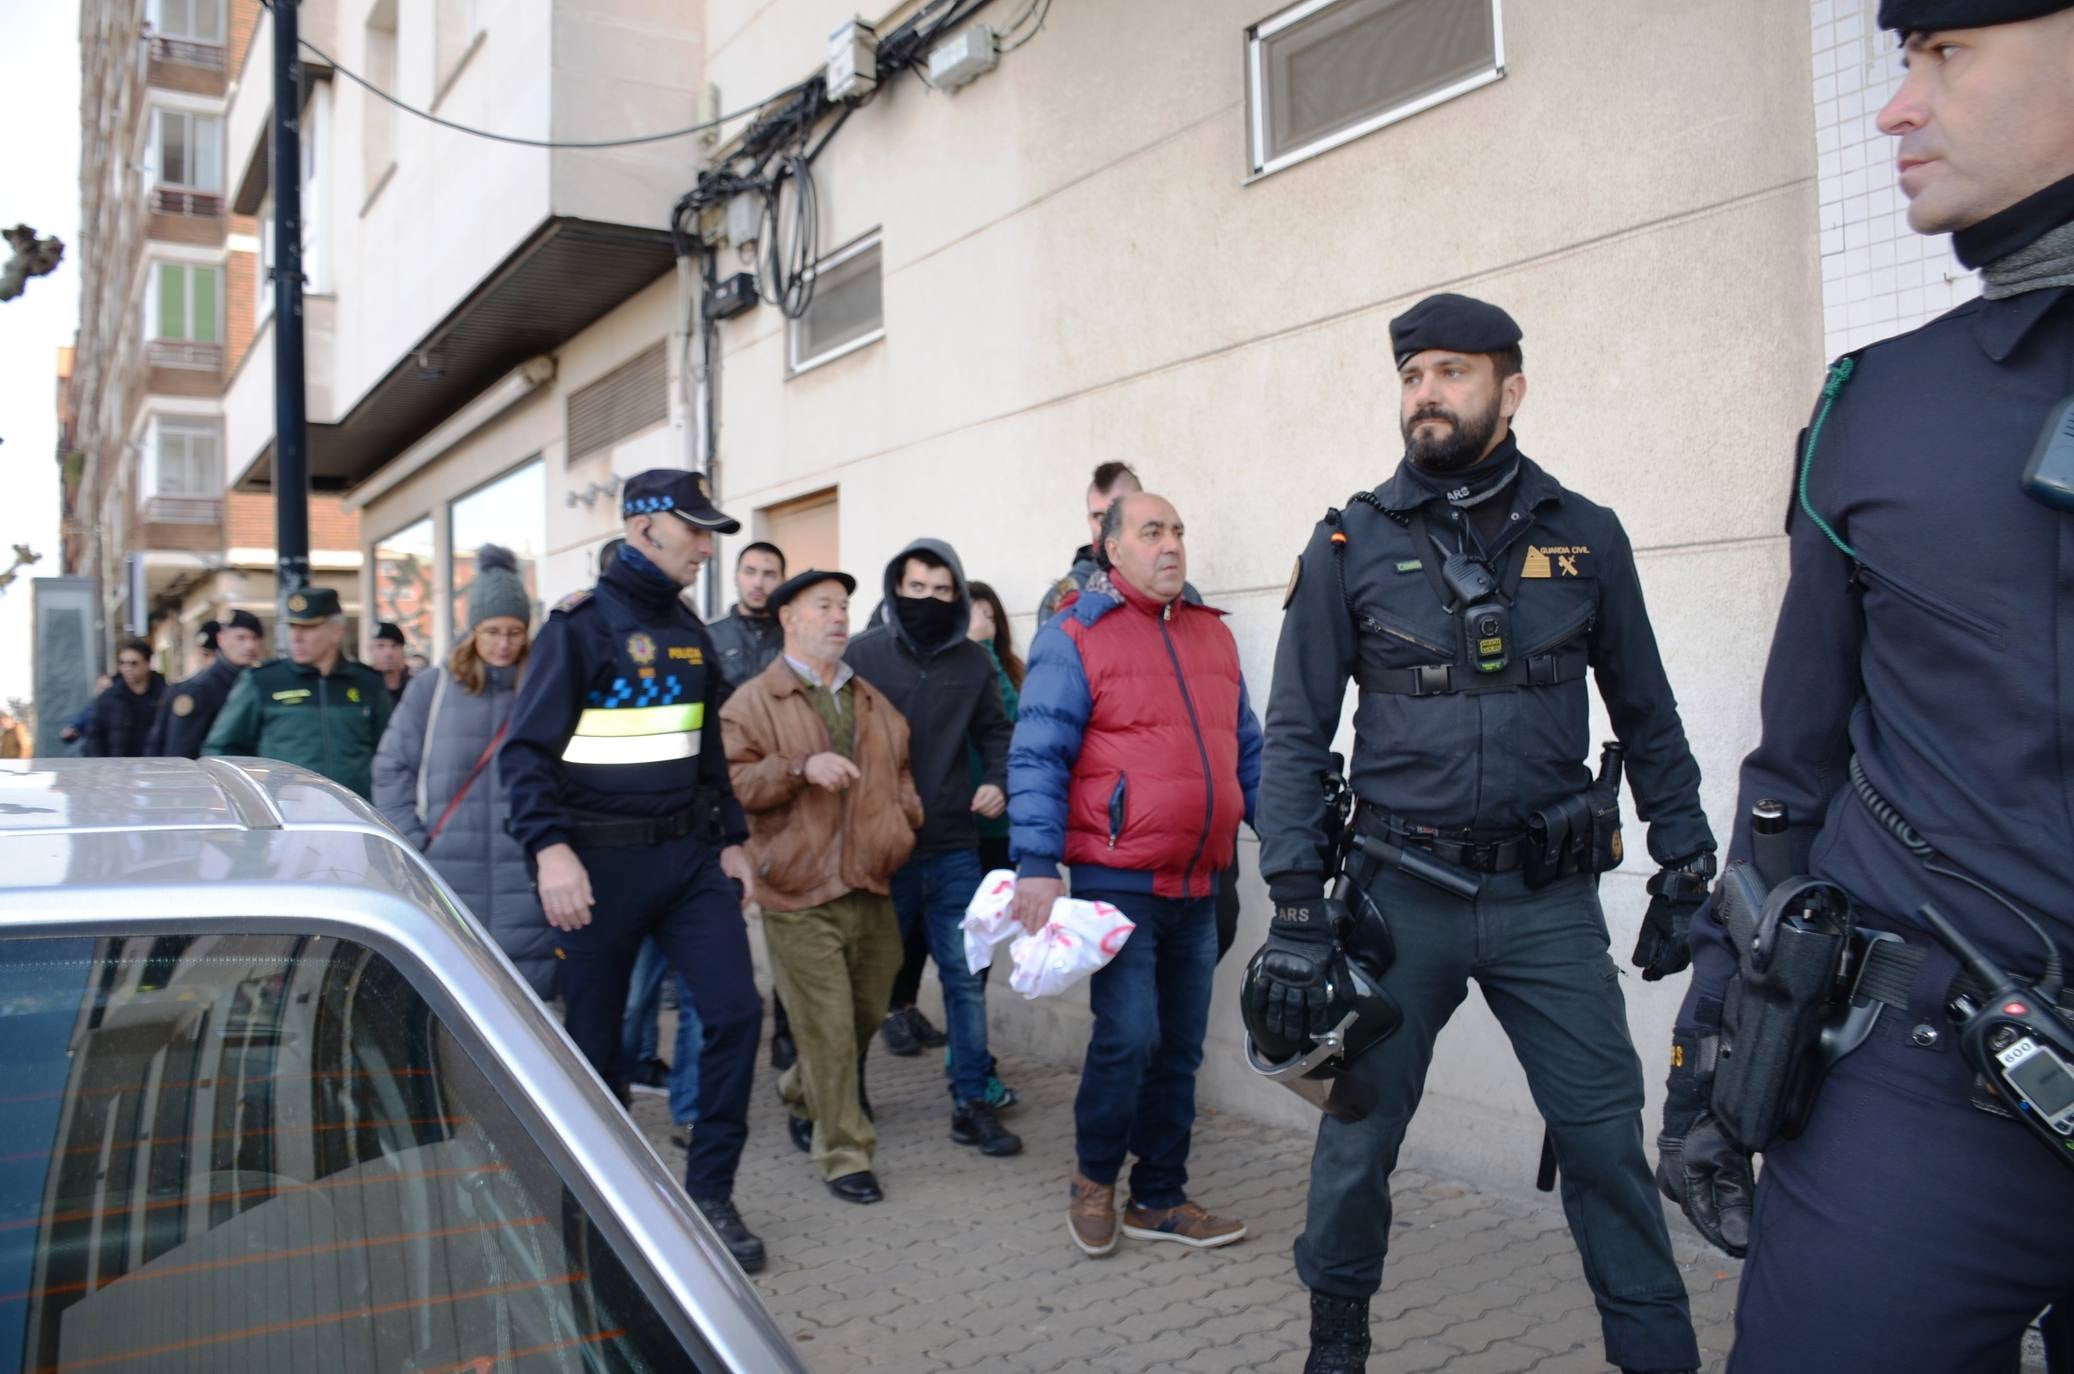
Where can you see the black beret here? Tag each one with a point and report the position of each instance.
(1916, 16)
(1459, 324)
(208, 634)
(244, 620)
(799, 582)
(389, 630)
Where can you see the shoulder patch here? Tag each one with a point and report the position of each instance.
(573, 600)
(1295, 576)
(183, 705)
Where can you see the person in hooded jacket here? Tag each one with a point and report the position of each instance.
(918, 657)
(121, 718)
(433, 774)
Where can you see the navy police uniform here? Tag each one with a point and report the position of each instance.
(1454, 760)
(1928, 630)
(192, 704)
(615, 749)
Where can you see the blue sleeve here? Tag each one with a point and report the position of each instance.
(549, 700)
(713, 771)
(1041, 753)
(1249, 753)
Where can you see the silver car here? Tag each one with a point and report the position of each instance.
(273, 1101)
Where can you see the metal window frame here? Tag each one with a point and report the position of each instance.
(1259, 165)
(858, 246)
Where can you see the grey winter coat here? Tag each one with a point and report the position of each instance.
(438, 732)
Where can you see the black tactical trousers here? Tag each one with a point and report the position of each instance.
(1541, 959)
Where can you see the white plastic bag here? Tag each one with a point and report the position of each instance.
(1079, 938)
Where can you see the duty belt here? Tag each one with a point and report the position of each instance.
(1476, 850)
(1888, 974)
(595, 831)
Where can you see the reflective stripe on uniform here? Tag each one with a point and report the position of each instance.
(636, 734)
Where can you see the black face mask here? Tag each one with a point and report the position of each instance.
(928, 621)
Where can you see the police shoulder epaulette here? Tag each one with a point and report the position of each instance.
(573, 600)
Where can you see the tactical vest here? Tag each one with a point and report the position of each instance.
(652, 708)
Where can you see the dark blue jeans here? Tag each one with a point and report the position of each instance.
(1541, 959)
(676, 893)
(640, 1037)
(1152, 1006)
(933, 890)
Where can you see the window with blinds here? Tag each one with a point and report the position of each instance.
(1324, 72)
(632, 397)
(848, 309)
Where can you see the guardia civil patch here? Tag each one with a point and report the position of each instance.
(353, 695)
(183, 705)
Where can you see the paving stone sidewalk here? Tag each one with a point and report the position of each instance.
(967, 1265)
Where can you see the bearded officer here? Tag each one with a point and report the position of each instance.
(1466, 597)
(620, 794)
(1923, 660)
(192, 704)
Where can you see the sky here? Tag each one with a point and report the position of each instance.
(39, 186)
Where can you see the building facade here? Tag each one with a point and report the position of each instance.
(169, 278)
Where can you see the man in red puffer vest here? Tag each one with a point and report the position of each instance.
(1136, 755)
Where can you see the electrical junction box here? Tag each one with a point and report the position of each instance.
(963, 58)
(744, 219)
(732, 296)
(853, 61)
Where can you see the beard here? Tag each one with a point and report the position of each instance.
(1461, 447)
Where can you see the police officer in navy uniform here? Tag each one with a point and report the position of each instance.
(1928, 633)
(620, 794)
(1467, 597)
(192, 704)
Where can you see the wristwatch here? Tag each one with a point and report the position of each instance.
(798, 769)
(1686, 881)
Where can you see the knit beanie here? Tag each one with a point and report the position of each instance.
(497, 589)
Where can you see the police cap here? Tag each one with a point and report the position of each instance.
(243, 620)
(389, 630)
(1919, 16)
(679, 493)
(312, 606)
(1460, 324)
(799, 582)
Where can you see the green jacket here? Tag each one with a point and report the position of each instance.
(330, 725)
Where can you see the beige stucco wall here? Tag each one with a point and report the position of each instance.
(1076, 270)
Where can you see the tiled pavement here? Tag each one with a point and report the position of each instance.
(967, 1266)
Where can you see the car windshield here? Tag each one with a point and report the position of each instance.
(244, 1152)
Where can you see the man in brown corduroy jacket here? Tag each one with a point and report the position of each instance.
(819, 761)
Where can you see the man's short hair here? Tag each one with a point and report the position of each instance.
(762, 546)
(135, 646)
(1507, 362)
(1112, 528)
(1107, 475)
(928, 558)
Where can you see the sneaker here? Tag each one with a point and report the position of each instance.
(721, 1215)
(999, 1095)
(1189, 1224)
(1339, 1335)
(1092, 1216)
(650, 1078)
(926, 1035)
(973, 1123)
(898, 1035)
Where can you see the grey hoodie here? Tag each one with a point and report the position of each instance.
(948, 693)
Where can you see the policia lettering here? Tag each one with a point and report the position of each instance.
(1462, 746)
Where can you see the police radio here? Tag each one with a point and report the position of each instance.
(2016, 1039)
(1486, 620)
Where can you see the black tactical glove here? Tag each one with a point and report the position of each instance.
(1697, 1166)
(1674, 895)
(1290, 994)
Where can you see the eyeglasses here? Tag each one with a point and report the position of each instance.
(508, 636)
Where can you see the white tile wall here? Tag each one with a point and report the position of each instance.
(1879, 277)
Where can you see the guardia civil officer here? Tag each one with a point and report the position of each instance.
(620, 794)
(191, 705)
(1921, 677)
(1466, 597)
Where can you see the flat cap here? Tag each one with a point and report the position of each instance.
(1916, 16)
(799, 582)
(675, 492)
(1461, 324)
(312, 606)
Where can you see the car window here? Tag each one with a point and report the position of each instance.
(246, 1153)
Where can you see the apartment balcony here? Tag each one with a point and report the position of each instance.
(184, 52)
(179, 64)
(178, 215)
(178, 200)
(182, 510)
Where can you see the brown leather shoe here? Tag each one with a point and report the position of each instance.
(1092, 1217)
(1189, 1224)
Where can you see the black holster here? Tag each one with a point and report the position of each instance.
(1790, 942)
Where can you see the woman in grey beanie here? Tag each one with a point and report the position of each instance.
(435, 775)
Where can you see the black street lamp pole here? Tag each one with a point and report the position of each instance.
(291, 437)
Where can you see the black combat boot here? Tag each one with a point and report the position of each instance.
(1339, 1335)
(740, 1241)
